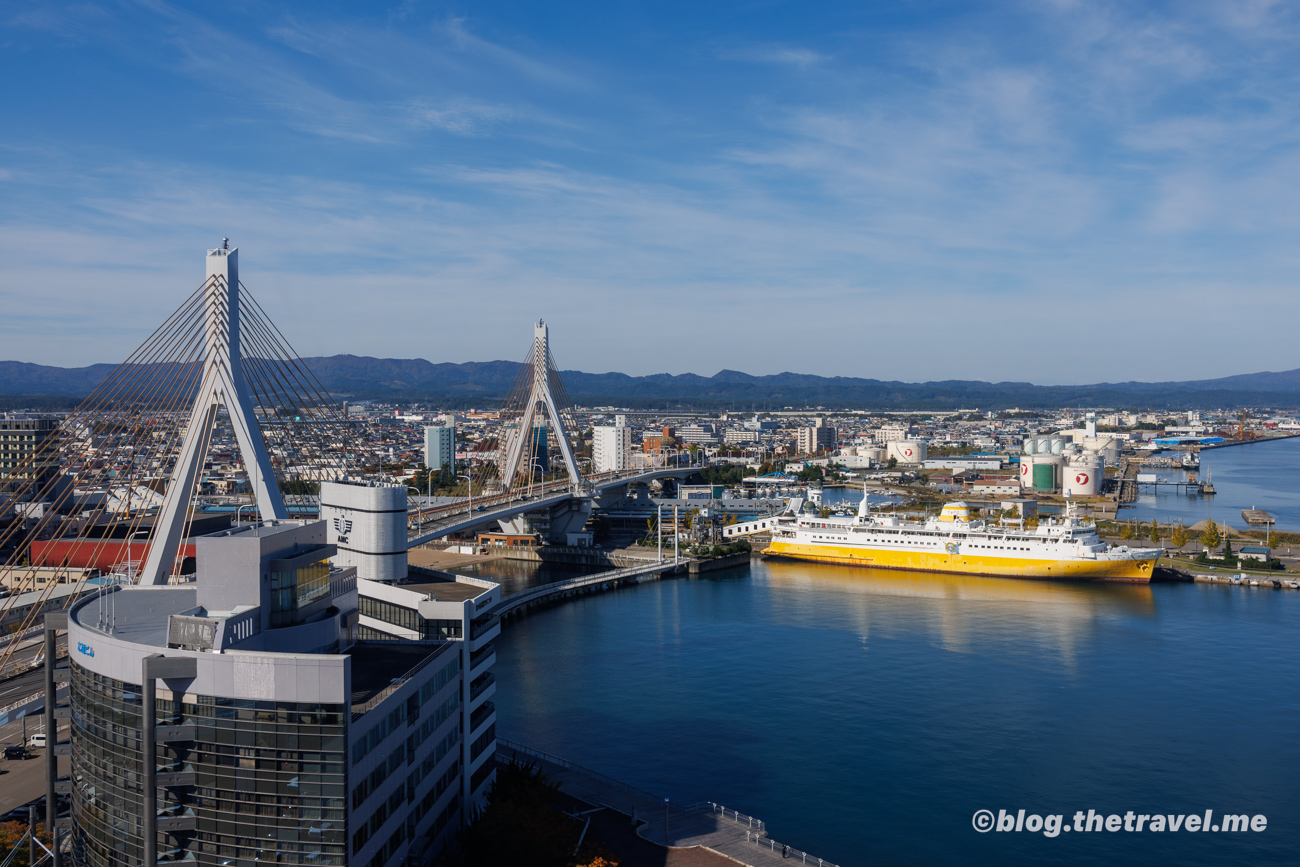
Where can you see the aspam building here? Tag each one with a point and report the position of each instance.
(250, 716)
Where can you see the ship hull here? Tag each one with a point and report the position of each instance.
(1131, 571)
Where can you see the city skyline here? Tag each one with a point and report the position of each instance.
(1054, 193)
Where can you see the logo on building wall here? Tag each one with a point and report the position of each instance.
(343, 526)
(1024, 469)
(907, 452)
(1081, 479)
(84, 648)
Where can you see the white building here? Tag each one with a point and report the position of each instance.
(698, 434)
(611, 448)
(440, 446)
(892, 433)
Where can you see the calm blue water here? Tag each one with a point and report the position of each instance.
(1262, 475)
(867, 715)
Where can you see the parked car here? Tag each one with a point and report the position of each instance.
(17, 751)
(37, 741)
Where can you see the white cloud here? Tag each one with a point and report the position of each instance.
(918, 206)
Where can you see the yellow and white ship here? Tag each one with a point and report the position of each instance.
(1067, 549)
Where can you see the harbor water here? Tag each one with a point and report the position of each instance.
(1264, 475)
(867, 715)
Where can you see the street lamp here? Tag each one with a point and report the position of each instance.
(130, 568)
(468, 476)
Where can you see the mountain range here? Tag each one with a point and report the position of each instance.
(355, 378)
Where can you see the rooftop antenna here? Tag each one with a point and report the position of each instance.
(225, 243)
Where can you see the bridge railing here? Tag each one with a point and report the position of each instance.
(420, 518)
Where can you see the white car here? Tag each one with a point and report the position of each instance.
(36, 741)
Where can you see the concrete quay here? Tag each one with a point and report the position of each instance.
(709, 826)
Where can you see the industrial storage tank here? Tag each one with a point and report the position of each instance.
(907, 451)
(1041, 472)
(1083, 477)
(871, 453)
(1044, 445)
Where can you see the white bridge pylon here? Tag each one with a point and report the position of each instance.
(222, 384)
(518, 441)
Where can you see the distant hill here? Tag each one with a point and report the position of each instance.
(484, 383)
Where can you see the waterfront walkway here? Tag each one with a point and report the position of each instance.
(586, 584)
(712, 826)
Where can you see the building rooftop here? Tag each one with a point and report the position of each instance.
(444, 590)
(380, 665)
(137, 614)
(262, 529)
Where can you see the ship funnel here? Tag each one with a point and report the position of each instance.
(864, 508)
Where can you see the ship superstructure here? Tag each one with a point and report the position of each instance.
(1066, 548)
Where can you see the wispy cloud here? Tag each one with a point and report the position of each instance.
(408, 184)
(784, 55)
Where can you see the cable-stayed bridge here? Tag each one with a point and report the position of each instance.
(130, 459)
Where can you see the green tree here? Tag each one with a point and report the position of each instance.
(891, 463)
(13, 832)
(521, 823)
(811, 474)
(1154, 535)
(1126, 531)
(1210, 536)
(1180, 536)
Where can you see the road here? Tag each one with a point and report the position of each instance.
(21, 780)
(23, 685)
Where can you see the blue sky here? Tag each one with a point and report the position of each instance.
(1056, 192)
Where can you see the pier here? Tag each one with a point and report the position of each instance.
(1257, 518)
(517, 603)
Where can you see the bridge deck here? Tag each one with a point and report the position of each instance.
(430, 524)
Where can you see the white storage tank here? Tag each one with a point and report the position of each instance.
(1106, 447)
(907, 451)
(1083, 477)
(874, 454)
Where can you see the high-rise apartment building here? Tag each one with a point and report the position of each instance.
(611, 448)
(440, 446)
(27, 452)
(817, 438)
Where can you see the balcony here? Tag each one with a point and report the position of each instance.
(484, 654)
(478, 717)
(483, 624)
(480, 684)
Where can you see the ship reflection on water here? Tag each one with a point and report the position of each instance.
(961, 613)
